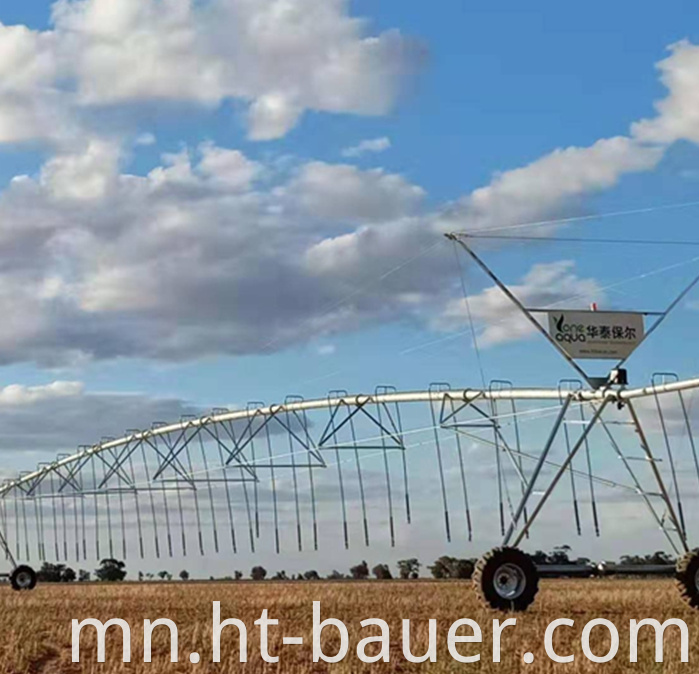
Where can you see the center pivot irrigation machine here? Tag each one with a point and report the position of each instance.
(265, 475)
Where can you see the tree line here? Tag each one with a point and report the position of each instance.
(445, 567)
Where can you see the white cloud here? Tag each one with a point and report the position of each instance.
(62, 415)
(211, 252)
(374, 145)
(272, 116)
(554, 184)
(281, 57)
(228, 168)
(342, 192)
(205, 255)
(550, 187)
(16, 394)
(146, 140)
(678, 113)
(201, 255)
(82, 177)
(545, 285)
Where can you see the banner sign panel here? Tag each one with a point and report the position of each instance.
(599, 335)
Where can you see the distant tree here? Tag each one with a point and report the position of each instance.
(336, 575)
(162, 575)
(656, 559)
(111, 570)
(280, 575)
(360, 572)
(382, 572)
(540, 558)
(184, 574)
(452, 567)
(150, 576)
(140, 576)
(311, 575)
(258, 573)
(83, 576)
(409, 568)
(661, 558)
(51, 573)
(440, 568)
(560, 555)
(463, 568)
(238, 575)
(298, 576)
(56, 573)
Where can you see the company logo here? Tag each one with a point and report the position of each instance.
(569, 332)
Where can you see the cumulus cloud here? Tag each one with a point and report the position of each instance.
(201, 255)
(280, 57)
(551, 184)
(206, 254)
(544, 286)
(62, 415)
(678, 112)
(211, 252)
(374, 145)
(146, 140)
(550, 187)
(343, 192)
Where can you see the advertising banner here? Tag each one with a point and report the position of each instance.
(594, 334)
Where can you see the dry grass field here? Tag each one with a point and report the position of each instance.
(36, 627)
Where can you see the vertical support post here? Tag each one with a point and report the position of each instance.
(156, 538)
(389, 488)
(231, 518)
(464, 486)
(440, 464)
(498, 462)
(670, 455)
(573, 487)
(209, 486)
(338, 461)
(360, 476)
(270, 456)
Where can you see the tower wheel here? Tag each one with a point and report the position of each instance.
(506, 579)
(23, 578)
(687, 578)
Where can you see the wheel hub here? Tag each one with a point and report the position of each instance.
(510, 581)
(23, 579)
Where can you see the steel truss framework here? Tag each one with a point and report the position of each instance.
(180, 488)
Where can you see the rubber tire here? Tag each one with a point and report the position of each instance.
(484, 579)
(686, 578)
(19, 570)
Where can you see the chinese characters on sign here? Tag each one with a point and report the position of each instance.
(591, 334)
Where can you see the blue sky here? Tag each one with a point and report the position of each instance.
(186, 230)
(500, 87)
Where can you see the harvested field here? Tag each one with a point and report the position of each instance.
(37, 626)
